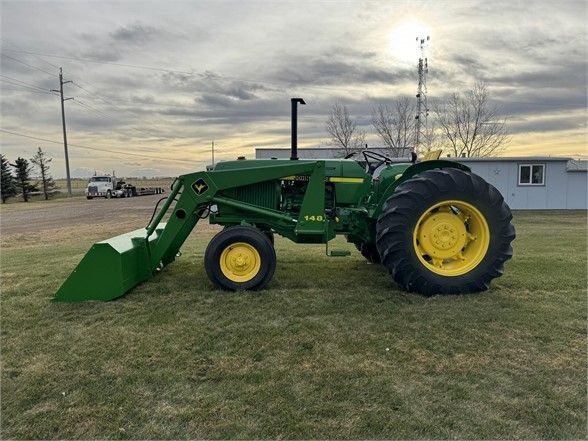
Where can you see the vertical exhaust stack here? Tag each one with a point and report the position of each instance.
(294, 151)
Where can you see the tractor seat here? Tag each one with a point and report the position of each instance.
(378, 170)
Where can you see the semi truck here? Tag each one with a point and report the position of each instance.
(110, 187)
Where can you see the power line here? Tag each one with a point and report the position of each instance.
(95, 148)
(39, 58)
(89, 107)
(26, 64)
(24, 83)
(135, 66)
(48, 62)
(29, 89)
(101, 114)
(158, 105)
(108, 116)
(96, 95)
(75, 83)
(37, 89)
(203, 76)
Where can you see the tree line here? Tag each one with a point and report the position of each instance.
(21, 181)
(466, 125)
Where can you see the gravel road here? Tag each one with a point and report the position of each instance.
(18, 218)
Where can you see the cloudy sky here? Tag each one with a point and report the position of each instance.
(155, 82)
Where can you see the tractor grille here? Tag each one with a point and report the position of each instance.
(264, 194)
(93, 189)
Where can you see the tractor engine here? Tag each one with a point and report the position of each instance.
(293, 191)
(286, 195)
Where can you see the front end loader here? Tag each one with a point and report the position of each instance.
(434, 225)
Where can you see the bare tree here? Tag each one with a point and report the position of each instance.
(343, 130)
(471, 124)
(396, 125)
(41, 161)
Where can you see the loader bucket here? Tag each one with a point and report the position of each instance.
(111, 268)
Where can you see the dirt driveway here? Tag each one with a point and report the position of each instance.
(18, 218)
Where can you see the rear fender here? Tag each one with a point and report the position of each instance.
(411, 171)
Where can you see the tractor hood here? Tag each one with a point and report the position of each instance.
(333, 167)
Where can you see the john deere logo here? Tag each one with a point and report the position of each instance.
(200, 186)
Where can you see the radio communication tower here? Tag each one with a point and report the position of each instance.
(422, 110)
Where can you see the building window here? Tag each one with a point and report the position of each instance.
(531, 174)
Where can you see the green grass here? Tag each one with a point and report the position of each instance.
(331, 350)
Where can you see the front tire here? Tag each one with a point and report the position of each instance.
(270, 236)
(239, 259)
(445, 232)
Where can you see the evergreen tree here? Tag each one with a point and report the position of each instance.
(23, 177)
(7, 186)
(42, 162)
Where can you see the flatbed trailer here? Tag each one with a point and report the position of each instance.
(110, 187)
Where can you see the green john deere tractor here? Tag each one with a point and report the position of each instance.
(434, 225)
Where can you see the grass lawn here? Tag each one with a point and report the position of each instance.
(331, 350)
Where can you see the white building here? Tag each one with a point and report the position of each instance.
(534, 182)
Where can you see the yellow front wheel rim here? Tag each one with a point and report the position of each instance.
(451, 238)
(240, 262)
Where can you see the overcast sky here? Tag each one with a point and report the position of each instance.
(160, 80)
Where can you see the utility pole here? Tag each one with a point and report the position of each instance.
(61, 83)
(422, 111)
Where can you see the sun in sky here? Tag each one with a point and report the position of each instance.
(403, 39)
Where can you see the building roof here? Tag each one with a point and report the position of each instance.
(318, 152)
(572, 165)
(314, 148)
(512, 159)
(579, 163)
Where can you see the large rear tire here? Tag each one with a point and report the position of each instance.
(445, 232)
(240, 258)
(369, 251)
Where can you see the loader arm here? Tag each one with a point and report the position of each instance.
(114, 266)
(198, 190)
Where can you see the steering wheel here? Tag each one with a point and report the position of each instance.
(374, 160)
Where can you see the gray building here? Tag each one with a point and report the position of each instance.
(534, 182)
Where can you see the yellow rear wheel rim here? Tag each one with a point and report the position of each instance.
(240, 262)
(451, 238)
